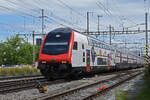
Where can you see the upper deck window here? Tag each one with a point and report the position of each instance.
(82, 46)
(75, 46)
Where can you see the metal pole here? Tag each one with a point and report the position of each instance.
(146, 36)
(103, 36)
(88, 23)
(42, 24)
(110, 34)
(33, 50)
(98, 26)
(125, 44)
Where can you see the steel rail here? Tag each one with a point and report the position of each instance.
(75, 90)
(95, 95)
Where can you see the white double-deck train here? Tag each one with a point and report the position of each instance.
(65, 52)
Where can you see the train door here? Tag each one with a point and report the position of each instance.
(109, 61)
(87, 60)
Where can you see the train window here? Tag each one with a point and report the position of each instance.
(82, 46)
(92, 42)
(104, 46)
(104, 62)
(83, 54)
(75, 46)
(83, 59)
(88, 61)
(98, 45)
(107, 47)
(101, 45)
(101, 61)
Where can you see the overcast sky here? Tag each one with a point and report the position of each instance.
(23, 16)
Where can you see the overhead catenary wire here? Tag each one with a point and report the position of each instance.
(17, 27)
(68, 24)
(65, 21)
(109, 13)
(23, 4)
(64, 4)
(106, 11)
(22, 12)
(17, 11)
(75, 11)
(118, 9)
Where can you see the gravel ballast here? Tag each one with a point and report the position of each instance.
(56, 88)
(127, 86)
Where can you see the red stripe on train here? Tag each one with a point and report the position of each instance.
(70, 47)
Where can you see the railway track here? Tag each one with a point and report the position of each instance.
(103, 91)
(24, 83)
(13, 84)
(89, 91)
(19, 77)
(17, 84)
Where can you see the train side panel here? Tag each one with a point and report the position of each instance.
(79, 52)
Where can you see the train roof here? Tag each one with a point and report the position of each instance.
(62, 30)
(69, 30)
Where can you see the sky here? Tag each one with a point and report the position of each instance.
(24, 16)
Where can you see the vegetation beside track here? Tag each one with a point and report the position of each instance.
(15, 71)
(144, 92)
(17, 51)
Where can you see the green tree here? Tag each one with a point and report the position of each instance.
(37, 50)
(17, 51)
(1, 53)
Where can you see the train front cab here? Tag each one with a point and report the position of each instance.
(55, 53)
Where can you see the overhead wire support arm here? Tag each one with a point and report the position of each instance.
(117, 32)
(35, 34)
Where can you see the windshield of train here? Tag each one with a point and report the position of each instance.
(56, 43)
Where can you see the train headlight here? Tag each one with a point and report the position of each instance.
(64, 62)
(43, 62)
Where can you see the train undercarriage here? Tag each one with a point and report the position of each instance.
(55, 70)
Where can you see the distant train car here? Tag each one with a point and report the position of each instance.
(67, 52)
